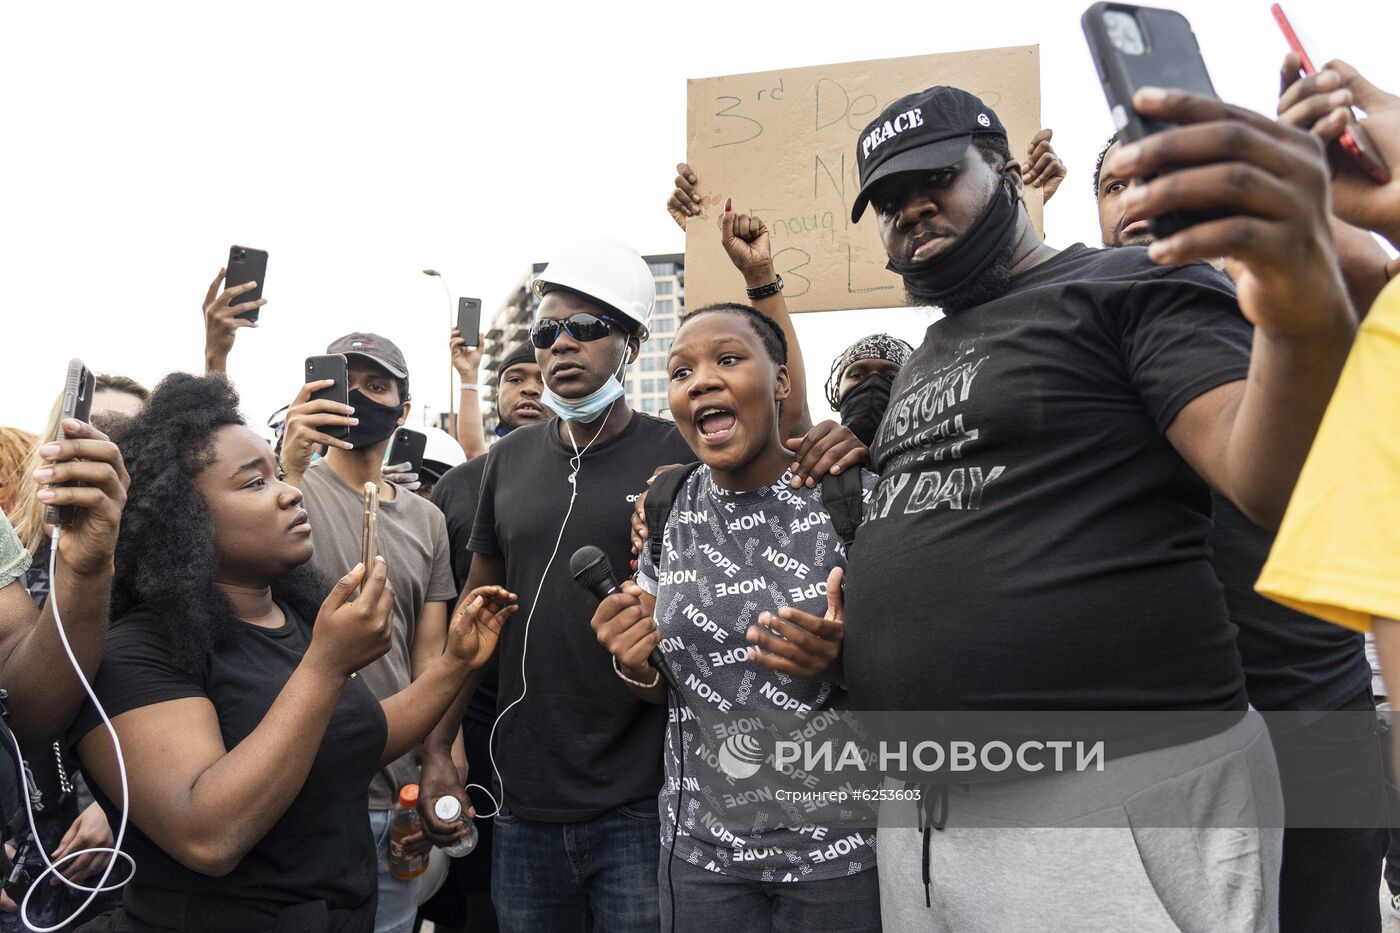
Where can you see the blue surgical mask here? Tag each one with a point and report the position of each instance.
(584, 409)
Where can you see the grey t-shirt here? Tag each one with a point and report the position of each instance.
(726, 557)
(412, 538)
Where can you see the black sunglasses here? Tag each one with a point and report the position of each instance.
(582, 326)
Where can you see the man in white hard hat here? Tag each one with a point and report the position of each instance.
(576, 840)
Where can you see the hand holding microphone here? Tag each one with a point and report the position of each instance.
(622, 623)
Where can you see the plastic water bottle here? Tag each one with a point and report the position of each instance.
(404, 822)
(449, 810)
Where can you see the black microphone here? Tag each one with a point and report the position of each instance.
(593, 572)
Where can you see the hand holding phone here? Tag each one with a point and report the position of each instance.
(406, 450)
(369, 543)
(1266, 183)
(75, 405)
(86, 477)
(1135, 47)
(1308, 103)
(1353, 140)
(247, 266)
(320, 415)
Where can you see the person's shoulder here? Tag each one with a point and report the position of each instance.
(138, 631)
(660, 432)
(1128, 265)
(528, 438)
(459, 480)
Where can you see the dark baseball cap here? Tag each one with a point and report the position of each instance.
(372, 347)
(522, 352)
(920, 132)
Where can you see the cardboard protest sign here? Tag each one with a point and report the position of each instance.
(782, 145)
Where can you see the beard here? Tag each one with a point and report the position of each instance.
(990, 285)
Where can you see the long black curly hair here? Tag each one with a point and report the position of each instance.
(165, 560)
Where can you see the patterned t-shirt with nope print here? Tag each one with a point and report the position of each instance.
(726, 558)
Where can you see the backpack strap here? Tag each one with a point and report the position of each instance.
(660, 497)
(843, 494)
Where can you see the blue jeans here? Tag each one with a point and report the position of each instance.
(398, 900)
(707, 902)
(599, 874)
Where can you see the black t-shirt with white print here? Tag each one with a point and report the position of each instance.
(1035, 541)
(726, 557)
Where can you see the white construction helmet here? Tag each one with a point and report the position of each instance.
(609, 272)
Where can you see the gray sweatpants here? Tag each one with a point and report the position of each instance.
(1166, 840)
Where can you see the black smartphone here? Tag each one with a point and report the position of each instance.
(469, 320)
(408, 447)
(78, 387)
(331, 366)
(1140, 46)
(245, 265)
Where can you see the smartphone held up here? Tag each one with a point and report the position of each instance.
(78, 387)
(1135, 47)
(245, 265)
(1354, 141)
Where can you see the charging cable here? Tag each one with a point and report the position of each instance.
(115, 850)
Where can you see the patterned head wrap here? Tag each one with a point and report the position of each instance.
(874, 347)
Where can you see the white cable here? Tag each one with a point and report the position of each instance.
(575, 462)
(116, 848)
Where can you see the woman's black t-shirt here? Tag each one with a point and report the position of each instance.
(321, 849)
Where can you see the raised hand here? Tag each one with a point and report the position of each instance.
(221, 320)
(305, 419)
(1268, 180)
(685, 198)
(85, 471)
(1042, 168)
(800, 644)
(745, 239)
(1321, 104)
(466, 360)
(476, 625)
(349, 635)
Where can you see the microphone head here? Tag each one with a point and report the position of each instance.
(591, 568)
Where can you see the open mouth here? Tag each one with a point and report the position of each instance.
(528, 410)
(716, 425)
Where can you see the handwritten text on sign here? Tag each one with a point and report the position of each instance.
(782, 144)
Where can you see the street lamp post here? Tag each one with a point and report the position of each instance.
(451, 383)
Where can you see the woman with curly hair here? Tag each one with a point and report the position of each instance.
(249, 741)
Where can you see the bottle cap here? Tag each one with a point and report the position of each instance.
(447, 809)
(408, 796)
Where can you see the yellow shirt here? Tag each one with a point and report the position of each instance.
(1337, 555)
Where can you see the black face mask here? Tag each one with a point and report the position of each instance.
(967, 258)
(864, 406)
(377, 421)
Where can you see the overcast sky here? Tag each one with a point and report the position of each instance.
(360, 142)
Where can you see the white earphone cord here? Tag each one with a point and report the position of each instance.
(116, 848)
(575, 464)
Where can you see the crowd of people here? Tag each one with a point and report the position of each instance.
(1062, 499)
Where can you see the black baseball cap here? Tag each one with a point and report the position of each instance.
(375, 348)
(920, 132)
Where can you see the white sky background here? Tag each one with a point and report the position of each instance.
(361, 142)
